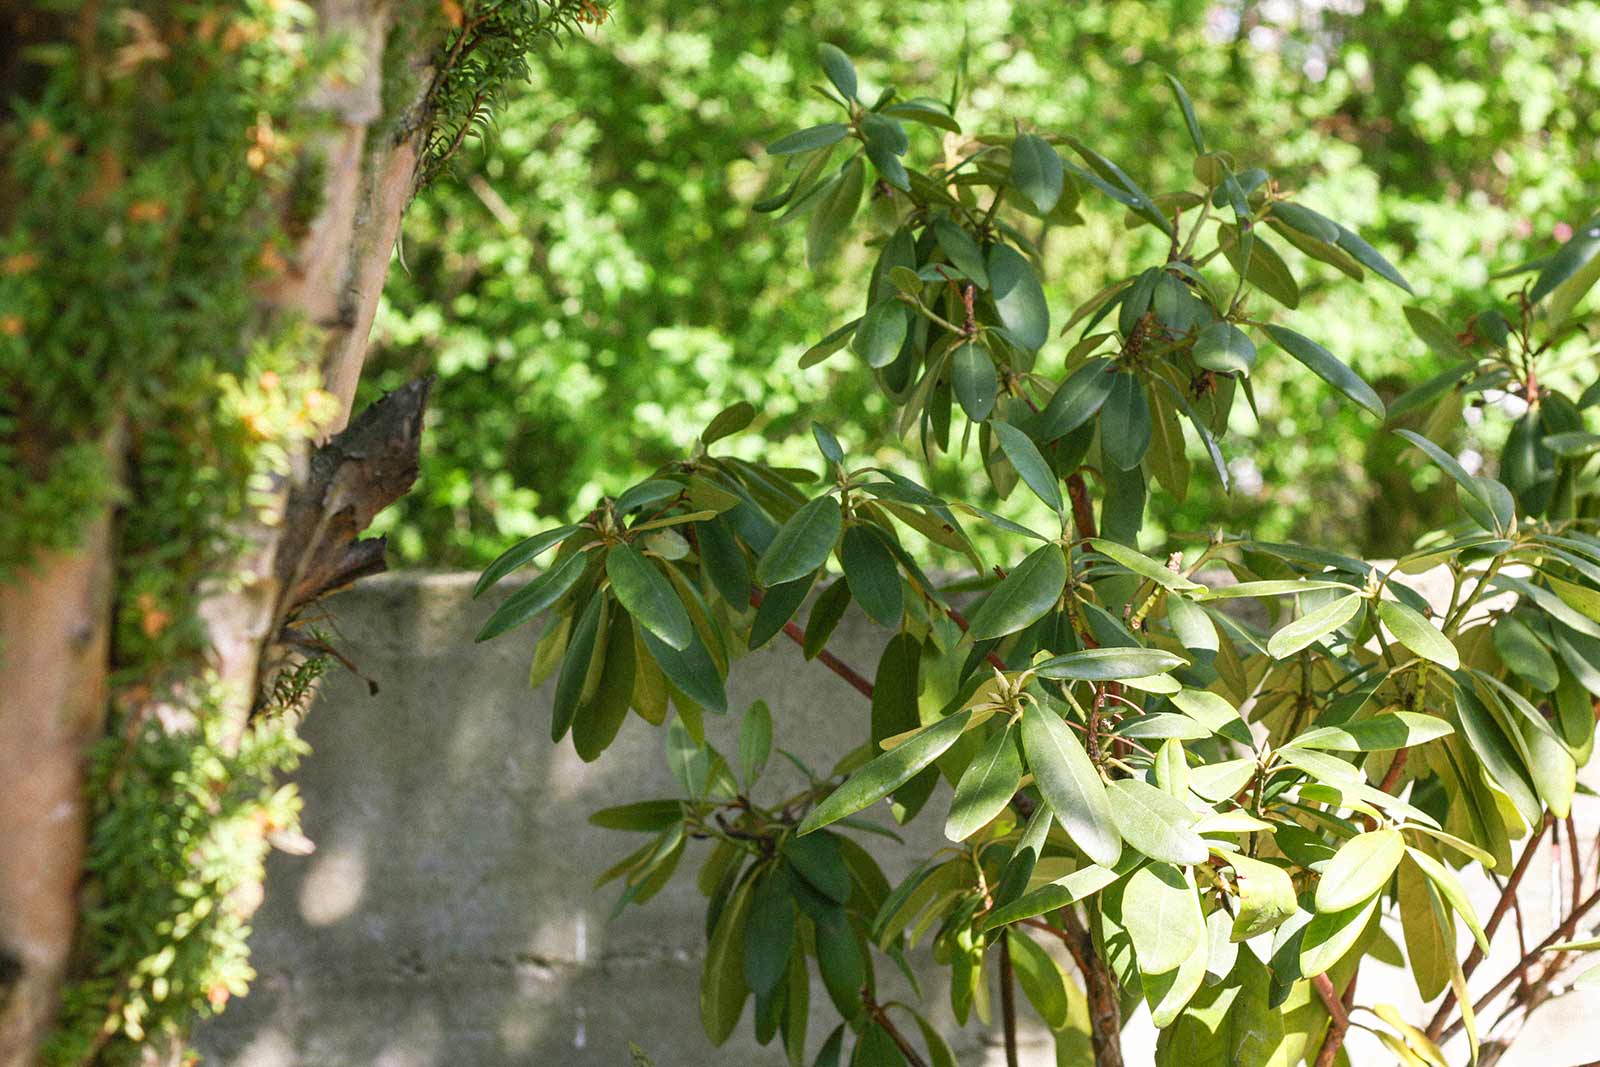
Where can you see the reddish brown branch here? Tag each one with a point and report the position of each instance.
(1082, 508)
(838, 666)
(881, 1017)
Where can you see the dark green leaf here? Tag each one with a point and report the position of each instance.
(1225, 348)
(535, 597)
(648, 596)
(802, 544)
(972, 376)
(1018, 297)
(1109, 664)
(1125, 423)
(722, 986)
(1041, 980)
(806, 140)
(880, 333)
(769, 933)
(1076, 400)
(840, 71)
(1380, 733)
(575, 667)
(1031, 589)
(985, 787)
(887, 772)
(962, 251)
(1070, 784)
(692, 670)
(520, 554)
(755, 741)
(874, 579)
(1024, 456)
(1036, 171)
(1328, 368)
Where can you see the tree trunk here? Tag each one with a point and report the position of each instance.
(55, 616)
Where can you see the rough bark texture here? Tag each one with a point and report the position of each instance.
(54, 619)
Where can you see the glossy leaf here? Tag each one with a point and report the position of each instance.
(1125, 422)
(1313, 626)
(1360, 869)
(520, 554)
(1390, 730)
(807, 140)
(986, 786)
(1036, 171)
(973, 378)
(1070, 784)
(1018, 297)
(874, 578)
(648, 596)
(1030, 465)
(1162, 913)
(1155, 823)
(1023, 596)
(1414, 631)
(887, 772)
(802, 544)
(1108, 664)
(1327, 367)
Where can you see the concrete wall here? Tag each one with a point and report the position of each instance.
(446, 916)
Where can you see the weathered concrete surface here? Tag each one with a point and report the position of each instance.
(447, 915)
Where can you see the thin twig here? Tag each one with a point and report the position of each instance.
(1008, 1000)
(826, 658)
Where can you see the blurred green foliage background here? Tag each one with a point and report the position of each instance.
(591, 284)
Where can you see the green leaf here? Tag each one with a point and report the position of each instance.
(820, 862)
(1031, 589)
(1018, 297)
(1521, 650)
(880, 333)
(1327, 367)
(1359, 870)
(1225, 348)
(1052, 895)
(692, 670)
(1125, 423)
(1070, 784)
(1329, 935)
(1451, 889)
(1570, 258)
(835, 209)
(874, 578)
(1191, 625)
(755, 741)
(650, 491)
(535, 597)
(1432, 331)
(1414, 631)
(985, 787)
(1109, 664)
(769, 933)
(1041, 980)
(972, 376)
(828, 345)
(1369, 257)
(603, 705)
(1428, 949)
(887, 772)
(1155, 823)
(642, 816)
(722, 986)
(1313, 626)
(1265, 269)
(1025, 457)
(926, 111)
(1378, 734)
(1162, 913)
(1076, 401)
(520, 554)
(648, 596)
(575, 667)
(1308, 222)
(962, 251)
(1266, 897)
(1036, 171)
(808, 139)
(840, 71)
(1489, 744)
(839, 958)
(802, 544)
(1271, 587)
(1189, 120)
(1143, 566)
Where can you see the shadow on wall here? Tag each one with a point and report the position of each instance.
(447, 915)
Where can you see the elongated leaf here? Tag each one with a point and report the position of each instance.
(1125, 423)
(1313, 626)
(962, 251)
(520, 554)
(1025, 457)
(836, 207)
(1489, 744)
(1162, 913)
(1041, 980)
(1327, 367)
(1414, 631)
(1076, 401)
(755, 741)
(1052, 895)
(1570, 258)
(874, 579)
(808, 139)
(880, 333)
(1360, 869)
(887, 772)
(840, 71)
(535, 597)
(1450, 889)
(1036, 171)
(973, 379)
(1023, 596)
(1225, 348)
(1271, 587)
(1018, 297)
(1377, 734)
(1070, 784)
(1143, 565)
(722, 986)
(648, 596)
(1329, 935)
(769, 933)
(802, 544)
(1109, 664)
(692, 670)
(985, 787)
(1189, 120)
(1155, 823)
